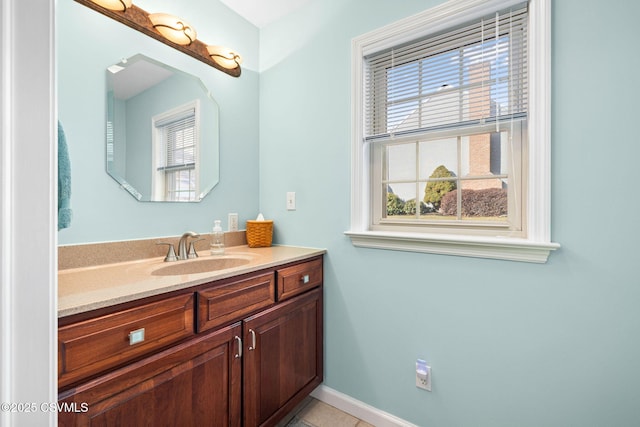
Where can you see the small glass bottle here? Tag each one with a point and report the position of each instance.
(217, 239)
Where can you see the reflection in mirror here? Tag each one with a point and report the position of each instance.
(162, 132)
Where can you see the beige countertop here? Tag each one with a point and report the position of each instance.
(89, 288)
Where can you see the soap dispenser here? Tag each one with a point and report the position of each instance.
(217, 239)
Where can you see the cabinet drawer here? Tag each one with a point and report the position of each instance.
(94, 345)
(299, 278)
(223, 304)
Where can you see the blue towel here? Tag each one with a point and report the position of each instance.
(64, 181)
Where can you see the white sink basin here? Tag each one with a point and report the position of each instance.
(200, 265)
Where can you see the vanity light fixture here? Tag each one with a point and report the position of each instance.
(174, 32)
(119, 5)
(173, 28)
(224, 57)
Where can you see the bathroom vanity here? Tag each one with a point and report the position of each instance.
(237, 346)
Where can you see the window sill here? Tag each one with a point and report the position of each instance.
(503, 248)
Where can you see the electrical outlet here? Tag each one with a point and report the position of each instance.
(291, 201)
(423, 375)
(233, 222)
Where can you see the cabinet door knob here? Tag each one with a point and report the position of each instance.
(305, 279)
(239, 353)
(253, 340)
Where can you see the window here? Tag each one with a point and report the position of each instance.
(444, 159)
(175, 150)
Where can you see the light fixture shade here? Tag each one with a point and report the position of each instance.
(224, 57)
(119, 5)
(173, 28)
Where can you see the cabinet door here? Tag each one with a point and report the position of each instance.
(282, 358)
(197, 383)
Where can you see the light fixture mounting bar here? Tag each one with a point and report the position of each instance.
(138, 19)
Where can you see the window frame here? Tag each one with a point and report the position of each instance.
(536, 245)
(160, 189)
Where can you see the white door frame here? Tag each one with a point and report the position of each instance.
(28, 212)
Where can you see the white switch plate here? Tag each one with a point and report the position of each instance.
(233, 222)
(291, 201)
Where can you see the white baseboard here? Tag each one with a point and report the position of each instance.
(357, 408)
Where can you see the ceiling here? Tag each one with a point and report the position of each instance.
(138, 76)
(263, 12)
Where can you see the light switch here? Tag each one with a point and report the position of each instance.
(291, 201)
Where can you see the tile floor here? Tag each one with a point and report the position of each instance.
(314, 413)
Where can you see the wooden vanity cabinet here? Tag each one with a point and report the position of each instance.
(282, 359)
(248, 355)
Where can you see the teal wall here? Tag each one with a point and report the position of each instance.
(510, 344)
(87, 43)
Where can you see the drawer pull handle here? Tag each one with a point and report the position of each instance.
(136, 336)
(253, 340)
(239, 353)
(305, 279)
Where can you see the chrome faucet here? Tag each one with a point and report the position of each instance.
(182, 245)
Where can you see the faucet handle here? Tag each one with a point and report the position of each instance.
(192, 249)
(182, 244)
(171, 255)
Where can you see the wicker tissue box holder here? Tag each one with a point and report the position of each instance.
(259, 233)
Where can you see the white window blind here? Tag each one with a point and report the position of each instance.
(472, 75)
(179, 135)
